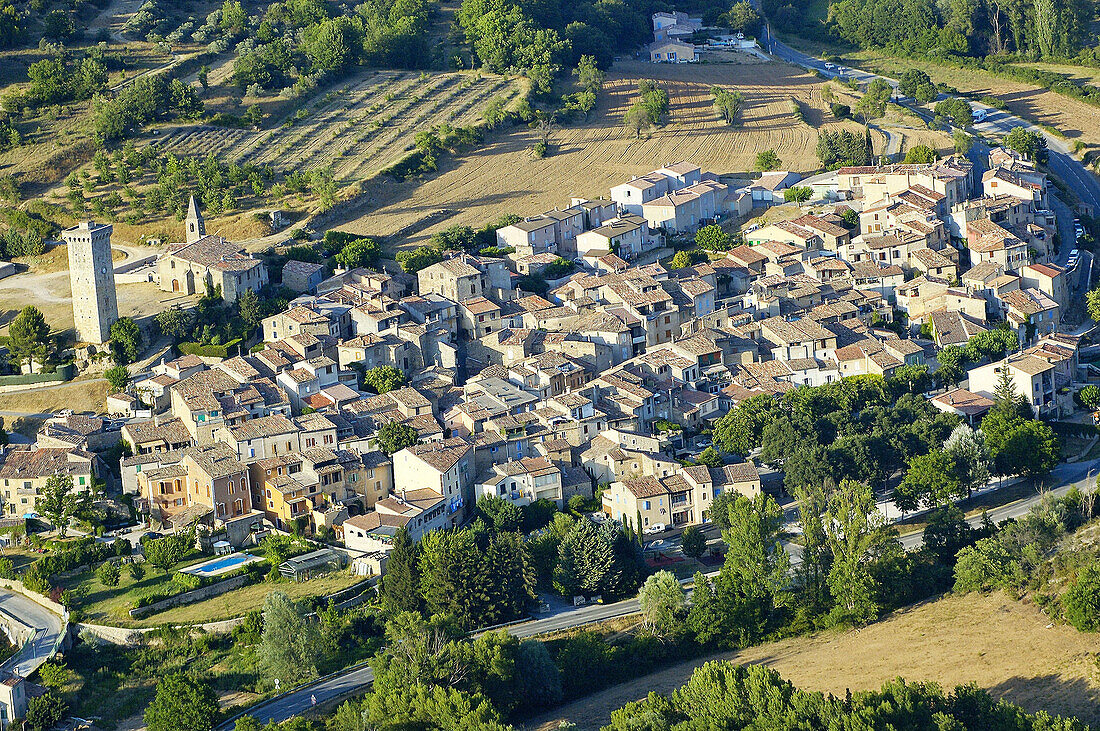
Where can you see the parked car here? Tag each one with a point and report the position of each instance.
(655, 528)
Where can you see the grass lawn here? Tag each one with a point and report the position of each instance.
(243, 600)
(112, 604)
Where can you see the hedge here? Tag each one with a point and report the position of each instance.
(208, 351)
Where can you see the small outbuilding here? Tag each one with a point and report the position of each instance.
(315, 563)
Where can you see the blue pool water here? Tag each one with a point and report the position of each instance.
(220, 565)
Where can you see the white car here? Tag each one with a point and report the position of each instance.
(655, 528)
(829, 66)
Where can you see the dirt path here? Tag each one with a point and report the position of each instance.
(1007, 647)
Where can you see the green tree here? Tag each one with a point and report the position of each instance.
(108, 573)
(499, 513)
(911, 80)
(740, 430)
(164, 553)
(1019, 446)
(118, 377)
(1092, 303)
(175, 322)
(798, 194)
(478, 578)
(59, 501)
(636, 118)
(288, 646)
(662, 602)
(957, 110)
(854, 530)
(755, 576)
(727, 104)
(920, 155)
(694, 542)
(250, 308)
(401, 583)
(1090, 396)
(710, 458)
(951, 360)
(363, 252)
(713, 237)
(393, 436)
(588, 74)
(813, 571)
(28, 336)
(767, 160)
(1028, 143)
(963, 142)
(932, 480)
(682, 260)
(986, 566)
(182, 701)
(126, 341)
(742, 17)
(419, 258)
(384, 378)
(45, 712)
(1081, 602)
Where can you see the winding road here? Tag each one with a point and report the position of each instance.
(48, 628)
(1063, 479)
(998, 122)
(356, 679)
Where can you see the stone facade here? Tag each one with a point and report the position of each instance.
(92, 275)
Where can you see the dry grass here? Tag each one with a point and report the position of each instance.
(241, 601)
(1004, 646)
(90, 395)
(504, 177)
(1076, 119)
(358, 127)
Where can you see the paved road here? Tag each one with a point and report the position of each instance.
(359, 678)
(998, 122)
(41, 648)
(1064, 478)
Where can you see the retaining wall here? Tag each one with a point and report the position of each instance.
(17, 586)
(195, 595)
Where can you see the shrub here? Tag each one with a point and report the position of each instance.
(137, 571)
(1081, 603)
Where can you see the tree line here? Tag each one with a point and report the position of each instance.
(1042, 28)
(487, 574)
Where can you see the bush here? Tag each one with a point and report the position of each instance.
(137, 571)
(209, 351)
(1081, 603)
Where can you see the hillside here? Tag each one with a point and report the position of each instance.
(1004, 646)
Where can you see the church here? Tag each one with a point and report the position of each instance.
(208, 260)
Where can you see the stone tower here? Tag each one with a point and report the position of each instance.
(92, 274)
(196, 227)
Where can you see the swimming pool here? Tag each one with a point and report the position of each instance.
(220, 565)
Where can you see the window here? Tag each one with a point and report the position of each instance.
(645, 505)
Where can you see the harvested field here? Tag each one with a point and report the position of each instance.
(359, 127)
(587, 159)
(1004, 646)
(1076, 119)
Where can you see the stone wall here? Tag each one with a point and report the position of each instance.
(17, 586)
(195, 595)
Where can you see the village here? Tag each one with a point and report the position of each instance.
(597, 390)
